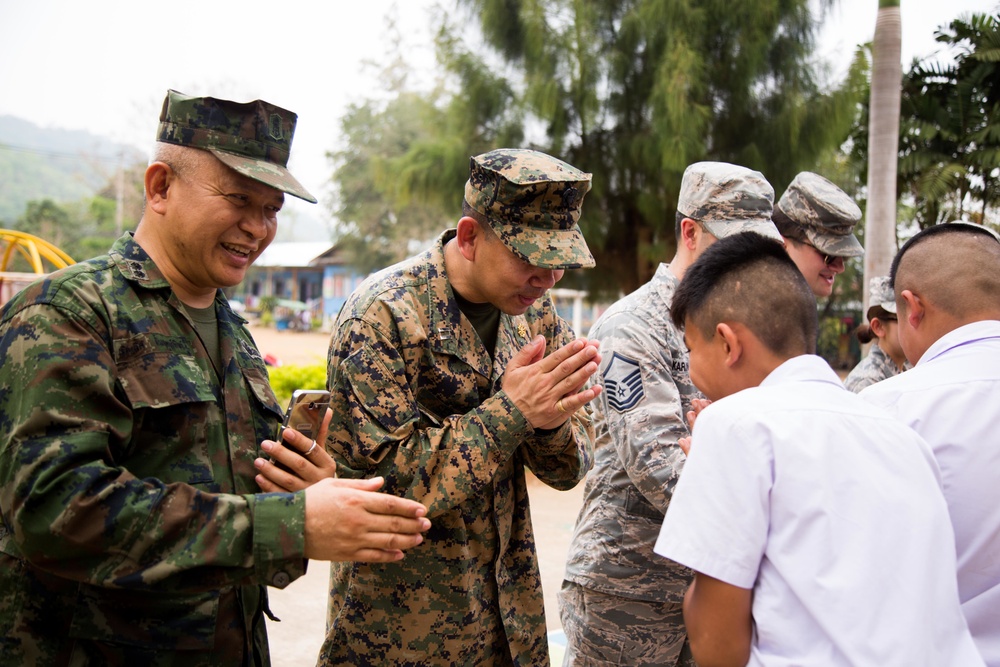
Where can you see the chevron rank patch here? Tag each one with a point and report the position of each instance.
(623, 383)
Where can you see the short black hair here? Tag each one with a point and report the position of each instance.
(931, 232)
(750, 279)
(788, 228)
(954, 266)
(484, 225)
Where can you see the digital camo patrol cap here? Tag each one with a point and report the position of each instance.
(825, 214)
(880, 294)
(727, 199)
(252, 138)
(532, 201)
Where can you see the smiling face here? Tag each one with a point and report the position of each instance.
(215, 223)
(814, 267)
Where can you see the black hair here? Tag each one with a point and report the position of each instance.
(468, 212)
(931, 232)
(788, 228)
(864, 332)
(750, 279)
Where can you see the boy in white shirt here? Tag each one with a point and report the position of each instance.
(947, 290)
(814, 522)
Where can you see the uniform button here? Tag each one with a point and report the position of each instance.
(280, 580)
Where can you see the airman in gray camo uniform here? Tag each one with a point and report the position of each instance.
(451, 373)
(621, 603)
(816, 219)
(133, 403)
(885, 357)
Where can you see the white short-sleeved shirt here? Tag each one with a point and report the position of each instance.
(952, 399)
(831, 511)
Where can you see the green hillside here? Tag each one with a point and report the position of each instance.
(61, 165)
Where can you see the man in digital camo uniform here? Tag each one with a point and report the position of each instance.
(132, 405)
(451, 373)
(816, 219)
(620, 602)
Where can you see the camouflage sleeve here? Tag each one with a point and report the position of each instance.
(71, 511)
(380, 428)
(645, 431)
(563, 457)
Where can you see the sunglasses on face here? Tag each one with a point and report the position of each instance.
(827, 259)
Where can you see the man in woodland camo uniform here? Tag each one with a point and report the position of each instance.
(133, 405)
(451, 373)
(620, 602)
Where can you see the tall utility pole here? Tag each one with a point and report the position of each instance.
(120, 194)
(883, 143)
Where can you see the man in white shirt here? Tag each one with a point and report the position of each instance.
(815, 522)
(947, 285)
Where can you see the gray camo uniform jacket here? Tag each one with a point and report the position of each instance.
(638, 419)
(876, 367)
(132, 533)
(418, 400)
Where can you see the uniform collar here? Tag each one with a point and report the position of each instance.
(963, 335)
(451, 333)
(135, 264)
(803, 368)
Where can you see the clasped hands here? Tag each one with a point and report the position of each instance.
(549, 389)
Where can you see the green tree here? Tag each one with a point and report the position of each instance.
(378, 222)
(399, 176)
(950, 130)
(633, 91)
(46, 220)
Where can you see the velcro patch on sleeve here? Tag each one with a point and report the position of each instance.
(623, 383)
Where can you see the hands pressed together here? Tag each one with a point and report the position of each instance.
(549, 389)
(350, 520)
(697, 405)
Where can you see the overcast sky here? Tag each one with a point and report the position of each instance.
(105, 65)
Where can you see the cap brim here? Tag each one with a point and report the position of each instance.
(721, 230)
(265, 172)
(834, 245)
(547, 248)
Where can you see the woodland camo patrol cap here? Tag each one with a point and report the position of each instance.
(532, 201)
(252, 138)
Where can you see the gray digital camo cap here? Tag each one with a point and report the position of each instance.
(825, 214)
(727, 199)
(532, 201)
(881, 294)
(252, 138)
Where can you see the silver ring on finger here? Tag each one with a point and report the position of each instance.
(310, 450)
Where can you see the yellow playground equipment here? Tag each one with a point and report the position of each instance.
(33, 249)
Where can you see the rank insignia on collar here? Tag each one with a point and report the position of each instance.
(522, 330)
